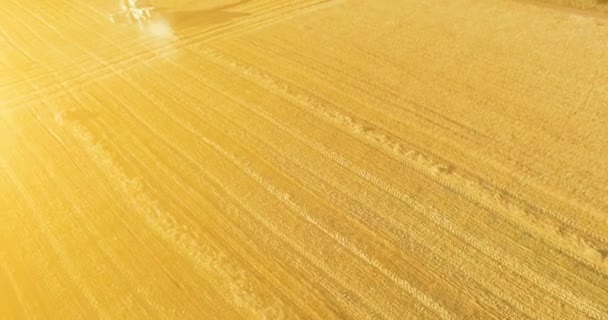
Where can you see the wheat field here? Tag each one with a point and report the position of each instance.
(304, 159)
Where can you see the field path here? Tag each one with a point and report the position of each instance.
(304, 159)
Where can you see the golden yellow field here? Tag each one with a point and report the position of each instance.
(303, 159)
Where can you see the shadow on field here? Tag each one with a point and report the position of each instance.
(183, 19)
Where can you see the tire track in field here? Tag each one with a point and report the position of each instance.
(425, 300)
(109, 253)
(472, 187)
(556, 227)
(185, 241)
(386, 227)
(382, 94)
(163, 223)
(594, 239)
(277, 163)
(286, 198)
(154, 306)
(200, 79)
(240, 295)
(153, 99)
(340, 293)
(123, 62)
(560, 229)
(403, 284)
(105, 69)
(309, 103)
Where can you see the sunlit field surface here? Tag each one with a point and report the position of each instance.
(303, 159)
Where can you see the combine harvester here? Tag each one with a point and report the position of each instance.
(133, 11)
(136, 11)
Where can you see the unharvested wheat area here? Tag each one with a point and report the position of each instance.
(303, 159)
